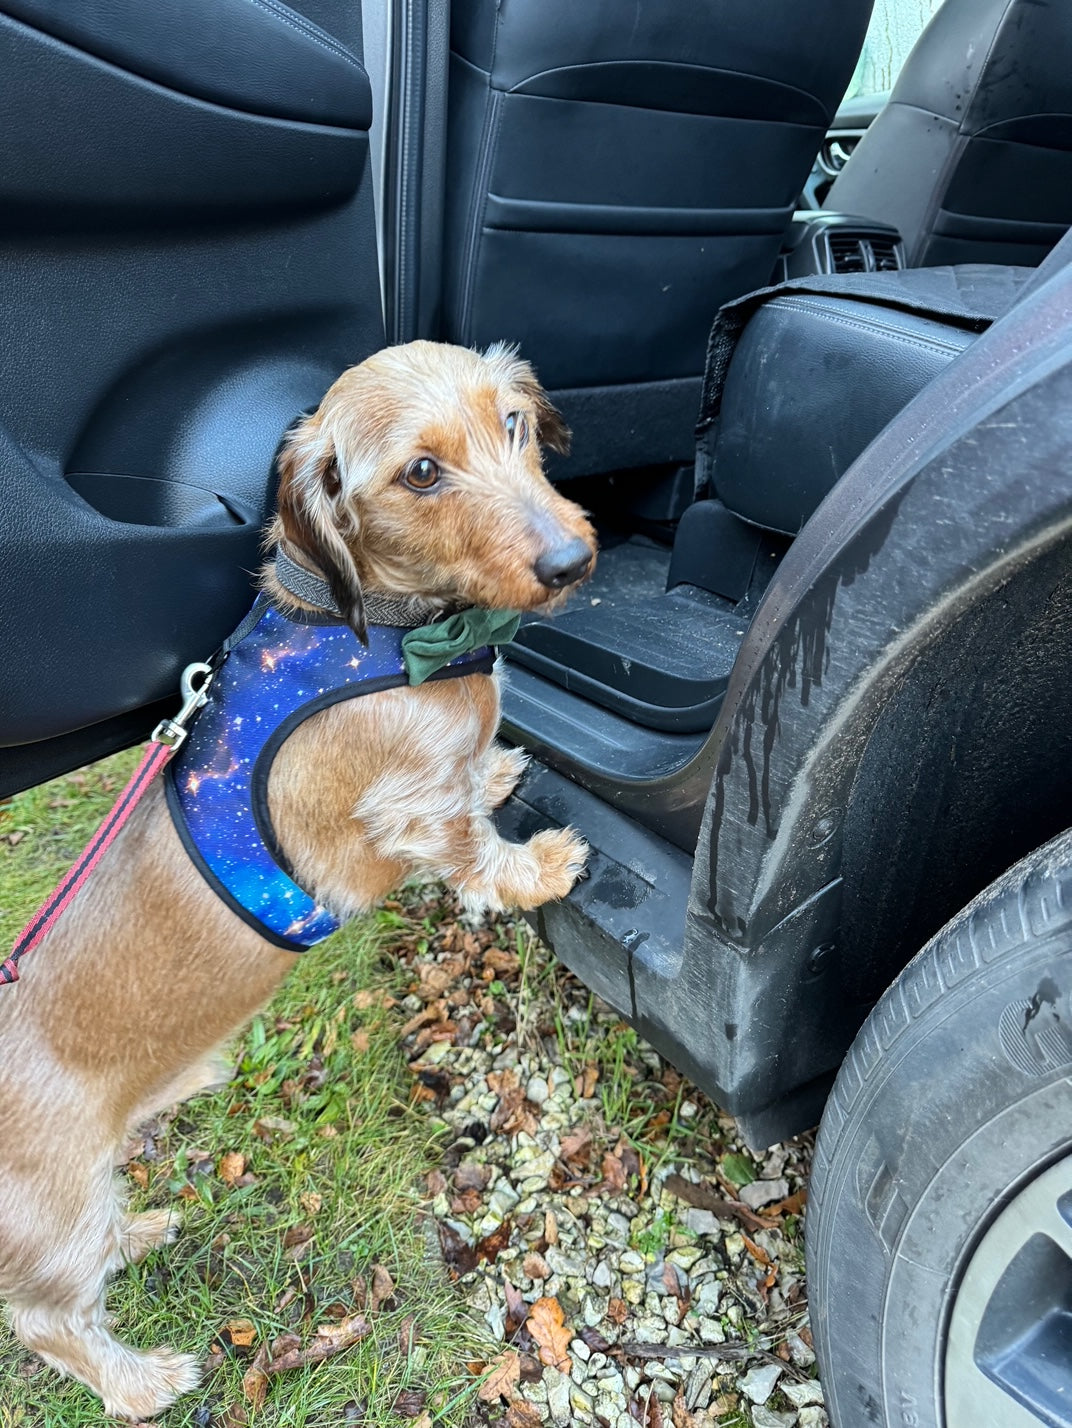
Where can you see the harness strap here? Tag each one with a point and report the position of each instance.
(167, 738)
(153, 760)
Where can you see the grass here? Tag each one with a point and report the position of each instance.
(333, 1149)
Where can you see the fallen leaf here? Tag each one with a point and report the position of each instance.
(231, 1165)
(790, 1206)
(680, 1412)
(436, 1183)
(516, 1309)
(614, 1174)
(756, 1251)
(492, 1246)
(360, 1041)
(523, 1415)
(408, 1335)
(595, 1341)
(617, 1311)
(577, 1147)
(268, 1126)
(238, 1334)
(535, 1266)
(139, 1174)
(233, 1416)
(546, 1323)
(383, 1287)
(297, 1235)
(467, 1203)
(702, 1197)
(311, 1202)
(255, 1378)
(503, 1377)
(471, 1176)
(410, 1403)
(459, 1257)
(589, 1081)
(344, 1333)
(738, 1170)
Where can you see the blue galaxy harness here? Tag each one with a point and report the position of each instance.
(277, 670)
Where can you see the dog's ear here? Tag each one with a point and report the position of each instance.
(314, 519)
(551, 430)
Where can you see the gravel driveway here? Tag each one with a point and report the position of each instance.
(631, 1261)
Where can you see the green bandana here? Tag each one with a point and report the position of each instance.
(429, 648)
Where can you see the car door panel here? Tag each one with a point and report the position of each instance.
(188, 259)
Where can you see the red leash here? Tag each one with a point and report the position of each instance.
(164, 743)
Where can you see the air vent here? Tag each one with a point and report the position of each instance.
(863, 253)
(885, 255)
(847, 254)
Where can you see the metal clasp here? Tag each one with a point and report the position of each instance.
(172, 732)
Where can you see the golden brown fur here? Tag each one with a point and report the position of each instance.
(125, 1006)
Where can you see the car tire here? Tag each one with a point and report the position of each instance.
(939, 1226)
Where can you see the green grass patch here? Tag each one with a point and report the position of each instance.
(332, 1154)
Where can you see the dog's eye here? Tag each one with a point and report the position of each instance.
(421, 475)
(517, 429)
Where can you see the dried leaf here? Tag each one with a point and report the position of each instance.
(589, 1081)
(238, 1334)
(231, 1165)
(577, 1147)
(267, 1127)
(550, 1228)
(503, 1377)
(792, 1205)
(458, 1256)
(233, 1416)
(360, 1041)
(516, 1309)
(436, 1183)
(471, 1176)
(702, 1197)
(344, 1333)
(680, 1412)
(756, 1251)
(383, 1287)
(408, 1334)
(546, 1323)
(297, 1235)
(467, 1203)
(595, 1341)
(492, 1246)
(255, 1378)
(410, 1403)
(535, 1266)
(139, 1174)
(617, 1311)
(311, 1202)
(614, 1174)
(523, 1415)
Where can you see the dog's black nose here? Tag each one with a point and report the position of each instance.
(564, 565)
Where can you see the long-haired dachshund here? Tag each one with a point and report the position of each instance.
(416, 486)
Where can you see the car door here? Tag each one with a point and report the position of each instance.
(188, 259)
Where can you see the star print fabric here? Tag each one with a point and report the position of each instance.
(277, 675)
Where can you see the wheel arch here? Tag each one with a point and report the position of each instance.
(942, 561)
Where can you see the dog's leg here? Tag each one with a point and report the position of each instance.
(504, 769)
(146, 1231)
(68, 1242)
(498, 874)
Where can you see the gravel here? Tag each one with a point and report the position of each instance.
(599, 1216)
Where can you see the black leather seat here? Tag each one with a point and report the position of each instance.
(614, 173)
(971, 159)
(821, 365)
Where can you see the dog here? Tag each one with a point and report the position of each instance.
(419, 477)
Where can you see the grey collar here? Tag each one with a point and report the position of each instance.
(403, 611)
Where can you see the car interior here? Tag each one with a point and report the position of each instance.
(212, 207)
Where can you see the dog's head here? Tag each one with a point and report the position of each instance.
(420, 474)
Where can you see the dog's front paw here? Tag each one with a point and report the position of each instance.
(561, 854)
(505, 767)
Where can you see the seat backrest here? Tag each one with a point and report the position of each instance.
(616, 172)
(971, 159)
